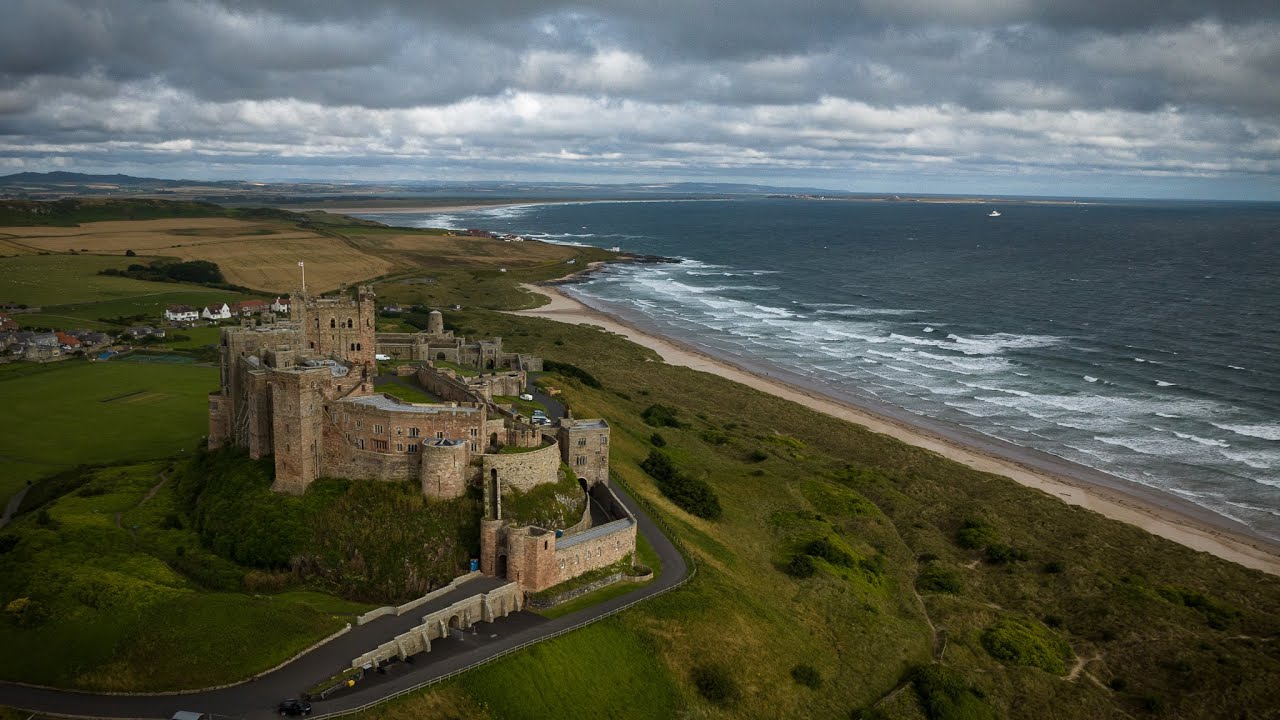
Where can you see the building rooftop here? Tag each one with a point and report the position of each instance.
(386, 402)
(595, 424)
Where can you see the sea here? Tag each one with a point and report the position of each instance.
(1138, 338)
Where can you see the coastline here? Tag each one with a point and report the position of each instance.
(1156, 512)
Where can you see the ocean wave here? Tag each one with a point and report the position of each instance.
(999, 342)
(1265, 431)
(1162, 383)
(1090, 378)
(1201, 440)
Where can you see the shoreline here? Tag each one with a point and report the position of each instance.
(1156, 512)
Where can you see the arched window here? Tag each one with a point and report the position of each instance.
(359, 346)
(353, 346)
(333, 323)
(349, 323)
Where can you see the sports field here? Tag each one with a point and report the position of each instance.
(65, 414)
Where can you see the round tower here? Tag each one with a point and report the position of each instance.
(435, 323)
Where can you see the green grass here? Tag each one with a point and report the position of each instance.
(121, 616)
(79, 412)
(196, 337)
(523, 406)
(407, 392)
(71, 294)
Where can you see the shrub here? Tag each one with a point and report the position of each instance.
(807, 675)
(208, 571)
(999, 554)
(25, 612)
(975, 534)
(716, 685)
(571, 371)
(829, 551)
(657, 440)
(691, 494)
(801, 566)
(130, 253)
(1217, 614)
(1022, 641)
(8, 543)
(661, 416)
(757, 455)
(1053, 567)
(43, 519)
(938, 579)
(946, 695)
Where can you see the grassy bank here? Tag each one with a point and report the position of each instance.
(120, 595)
(1040, 609)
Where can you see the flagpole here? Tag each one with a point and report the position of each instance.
(304, 277)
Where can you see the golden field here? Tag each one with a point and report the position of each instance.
(262, 255)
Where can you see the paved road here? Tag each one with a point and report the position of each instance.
(257, 699)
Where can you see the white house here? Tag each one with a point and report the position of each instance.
(280, 306)
(216, 312)
(181, 313)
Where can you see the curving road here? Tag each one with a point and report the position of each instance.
(257, 698)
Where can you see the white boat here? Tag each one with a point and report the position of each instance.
(994, 213)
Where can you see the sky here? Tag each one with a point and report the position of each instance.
(1128, 98)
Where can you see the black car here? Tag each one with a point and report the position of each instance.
(294, 707)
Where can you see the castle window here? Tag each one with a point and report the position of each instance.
(399, 447)
(475, 432)
(475, 446)
(380, 445)
(546, 544)
(349, 325)
(359, 346)
(414, 432)
(377, 429)
(439, 434)
(604, 441)
(582, 442)
(413, 447)
(360, 443)
(399, 431)
(313, 346)
(604, 460)
(580, 460)
(333, 323)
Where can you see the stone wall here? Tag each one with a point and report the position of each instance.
(585, 447)
(445, 468)
(482, 607)
(444, 386)
(523, 470)
(574, 557)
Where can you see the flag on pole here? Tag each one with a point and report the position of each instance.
(300, 263)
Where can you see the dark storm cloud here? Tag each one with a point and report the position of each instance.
(669, 85)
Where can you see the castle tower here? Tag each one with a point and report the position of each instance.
(296, 424)
(339, 327)
(584, 446)
(444, 468)
(435, 323)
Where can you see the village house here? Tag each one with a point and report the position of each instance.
(249, 308)
(8, 323)
(216, 312)
(142, 331)
(67, 342)
(280, 306)
(181, 314)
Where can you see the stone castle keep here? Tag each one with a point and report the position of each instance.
(302, 391)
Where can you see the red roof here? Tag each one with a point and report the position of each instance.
(65, 339)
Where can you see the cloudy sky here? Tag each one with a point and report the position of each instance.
(1058, 97)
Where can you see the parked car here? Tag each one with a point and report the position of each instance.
(294, 707)
(526, 396)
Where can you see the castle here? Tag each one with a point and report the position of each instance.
(303, 392)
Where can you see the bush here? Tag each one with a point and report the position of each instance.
(1000, 554)
(1053, 567)
(1022, 641)
(657, 440)
(8, 543)
(691, 494)
(25, 612)
(571, 371)
(807, 675)
(661, 416)
(938, 579)
(829, 551)
(208, 571)
(946, 695)
(757, 455)
(43, 519)
(716, 685)
(1217, 614)
(975, 534)
(801, 566)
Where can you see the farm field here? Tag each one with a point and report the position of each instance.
(79, 412)
(262, 255)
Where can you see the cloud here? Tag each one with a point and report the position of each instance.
(828, 89)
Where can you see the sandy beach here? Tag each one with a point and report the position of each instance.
(1155, 512)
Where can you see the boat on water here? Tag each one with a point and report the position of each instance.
(994, 213)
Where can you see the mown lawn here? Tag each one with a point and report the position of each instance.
(79, 412)
(115, 601)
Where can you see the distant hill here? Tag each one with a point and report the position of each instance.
(74, 178)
